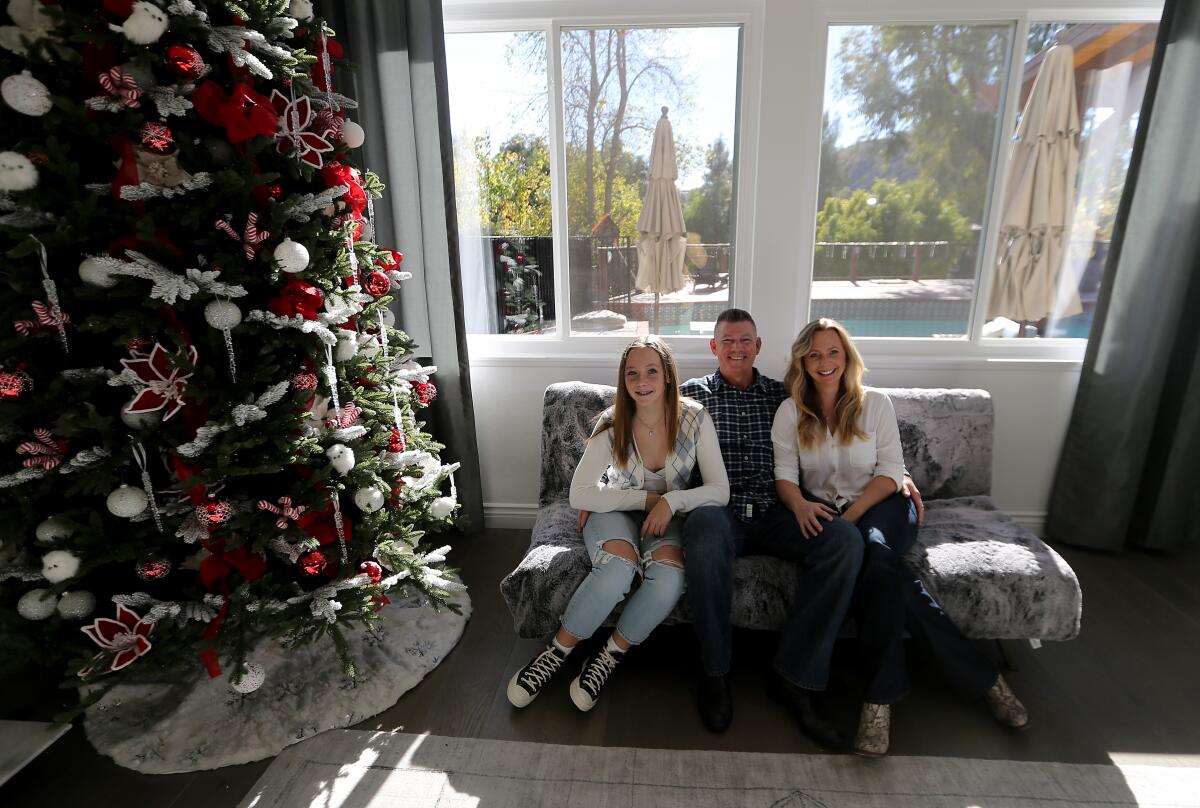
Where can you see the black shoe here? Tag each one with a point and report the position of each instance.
(586, 688)
(529, 681)
(800, 703)
(716, 703)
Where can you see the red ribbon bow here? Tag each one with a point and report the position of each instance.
(121, 86)
(286, 511)
(47, 452)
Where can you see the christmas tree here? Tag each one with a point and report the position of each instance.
(521, 293)
(210, 425)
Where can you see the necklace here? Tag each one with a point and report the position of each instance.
(650, 427)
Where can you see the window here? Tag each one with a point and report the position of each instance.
(1109, 64)
(500, 124)
(909, 139)
(615, 84)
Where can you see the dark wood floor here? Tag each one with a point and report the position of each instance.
(1126, 687)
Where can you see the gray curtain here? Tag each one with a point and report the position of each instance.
(400, 85)
(1127, 472)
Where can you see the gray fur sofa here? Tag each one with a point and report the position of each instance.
(992, 576)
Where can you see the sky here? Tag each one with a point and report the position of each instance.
(487, 94)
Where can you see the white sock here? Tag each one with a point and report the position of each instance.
(612, 647)
(562, 649)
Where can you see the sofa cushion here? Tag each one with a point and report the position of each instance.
(993, 577)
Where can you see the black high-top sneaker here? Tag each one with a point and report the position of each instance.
(591, 679)
(529, 681)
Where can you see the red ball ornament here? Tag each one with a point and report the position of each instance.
(214, 512)
(372, 571)
(14, 384)
(305, 381)
(313, 562)
(157, 138)
(377, 284)
(153, 569)
(184, 62)
(521, 259)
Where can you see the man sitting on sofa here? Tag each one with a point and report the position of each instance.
(742, 403)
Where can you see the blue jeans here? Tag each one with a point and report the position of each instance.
(890, 597)
(612, 576)
(714, 537)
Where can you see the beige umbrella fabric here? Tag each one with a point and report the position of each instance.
(1038, 199)
(662, 238)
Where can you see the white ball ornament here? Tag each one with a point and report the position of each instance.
(389, 318)
(140, 420)
(127, 502)
(222, 314)
(301, 9)
(76, 605)
(93, 273)
(369, 499)
(291, 255)
(146, 24)
(26, 95)
(36, 604)
(17, 172)
(252, 678)
(341, 457)
(353, 135)
(53, 529)
(59, 565)
(347, 346)
(442, 507)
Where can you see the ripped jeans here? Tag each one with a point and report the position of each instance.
(612, 576)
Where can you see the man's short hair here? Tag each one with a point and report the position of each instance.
(734, 316)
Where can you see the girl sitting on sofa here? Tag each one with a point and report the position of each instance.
(645, 448)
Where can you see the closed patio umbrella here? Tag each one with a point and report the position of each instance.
(1038, 199)
(662, 238)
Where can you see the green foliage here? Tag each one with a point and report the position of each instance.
(910, 211)
(514, 186)
(709, 207)
(256, 447)
(932, 92)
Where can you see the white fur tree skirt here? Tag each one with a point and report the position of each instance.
(205, 724)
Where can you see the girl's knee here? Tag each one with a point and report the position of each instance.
(620, 548)
(663, 574)
(668, 554)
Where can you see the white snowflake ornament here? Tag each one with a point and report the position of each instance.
(26, 95)
(59, 565)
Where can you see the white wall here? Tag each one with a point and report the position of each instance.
(1032, 386)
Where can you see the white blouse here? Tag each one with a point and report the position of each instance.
(836, 472)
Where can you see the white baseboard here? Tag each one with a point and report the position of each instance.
(516, 515)
(1034, 520)
(521, 515)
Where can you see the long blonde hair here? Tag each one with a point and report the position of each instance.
(810, 425)
(620, 417)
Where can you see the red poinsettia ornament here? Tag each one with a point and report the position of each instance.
(296, 130)
(164, 377)
(243, 112)
(125, 638)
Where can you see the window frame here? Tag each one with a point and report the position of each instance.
(970, 352)
(561, 343)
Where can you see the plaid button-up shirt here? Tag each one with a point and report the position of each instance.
(743, 421)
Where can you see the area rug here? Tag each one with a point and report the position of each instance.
(356, 769)
(206, 724)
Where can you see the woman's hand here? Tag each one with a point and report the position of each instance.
(809, 515)
(658, 518)
(583, 517)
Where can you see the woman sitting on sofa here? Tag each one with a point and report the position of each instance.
(842, 439)
(645, 447)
